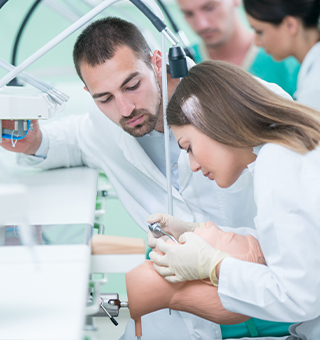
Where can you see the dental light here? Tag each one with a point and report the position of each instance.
(22, 104)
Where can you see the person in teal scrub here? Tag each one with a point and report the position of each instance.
(225, 37)
(291, 28)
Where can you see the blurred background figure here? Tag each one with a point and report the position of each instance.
(225, 37)
(291, 28)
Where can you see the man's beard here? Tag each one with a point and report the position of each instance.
(149, 122)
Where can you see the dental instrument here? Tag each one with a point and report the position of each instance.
(157, 232)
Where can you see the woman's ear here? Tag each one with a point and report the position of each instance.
(291, 24)
(156, 62)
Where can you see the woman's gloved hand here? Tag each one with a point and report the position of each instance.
(193, 260)
(170, 225)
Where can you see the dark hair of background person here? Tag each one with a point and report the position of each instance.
(99, 41)
(232, 107)
(274, 11)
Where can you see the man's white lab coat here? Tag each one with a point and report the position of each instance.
(95, 141)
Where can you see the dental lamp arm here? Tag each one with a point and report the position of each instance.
(63, 35)
(52, 43)
(54, 93)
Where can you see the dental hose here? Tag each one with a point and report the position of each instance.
(2, 3)
(14, 81)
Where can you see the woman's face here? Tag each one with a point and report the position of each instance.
(275, 39)
(217, 161)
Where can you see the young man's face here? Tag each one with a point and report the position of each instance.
(212, 20)
(127, 91)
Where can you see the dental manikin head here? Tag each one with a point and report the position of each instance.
(244, 248)
(122, 75)
(197, 297)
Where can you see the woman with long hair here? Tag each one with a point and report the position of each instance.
(291, 28)
(228, 122)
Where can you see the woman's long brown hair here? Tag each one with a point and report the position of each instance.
(232, 107)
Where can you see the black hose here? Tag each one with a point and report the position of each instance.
(14, 81)
(188, 50)
(164, 8)
(2, 3)
(157, 23)
(19, 34)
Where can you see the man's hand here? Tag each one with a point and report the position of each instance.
(28, 145)
(171, 225)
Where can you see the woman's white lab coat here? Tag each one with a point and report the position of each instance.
(308, 87)
(287, 195)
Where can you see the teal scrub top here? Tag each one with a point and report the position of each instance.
(255, 328)
(283, 73)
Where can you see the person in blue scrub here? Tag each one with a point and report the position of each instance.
(291, 28)
(224, 36)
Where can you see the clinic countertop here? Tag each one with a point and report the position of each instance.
(60, 196)
(45, 292)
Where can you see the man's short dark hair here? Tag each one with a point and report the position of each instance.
(99, 41)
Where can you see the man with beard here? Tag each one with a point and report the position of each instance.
(122, 135)
(224, 36)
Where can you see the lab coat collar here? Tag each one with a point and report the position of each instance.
(251, 166)
(309, 60)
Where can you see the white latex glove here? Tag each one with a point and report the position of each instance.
(193, 260)
(170, 225)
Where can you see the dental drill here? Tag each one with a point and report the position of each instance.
(157, 232)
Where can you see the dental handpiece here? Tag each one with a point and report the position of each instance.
(157, 232)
